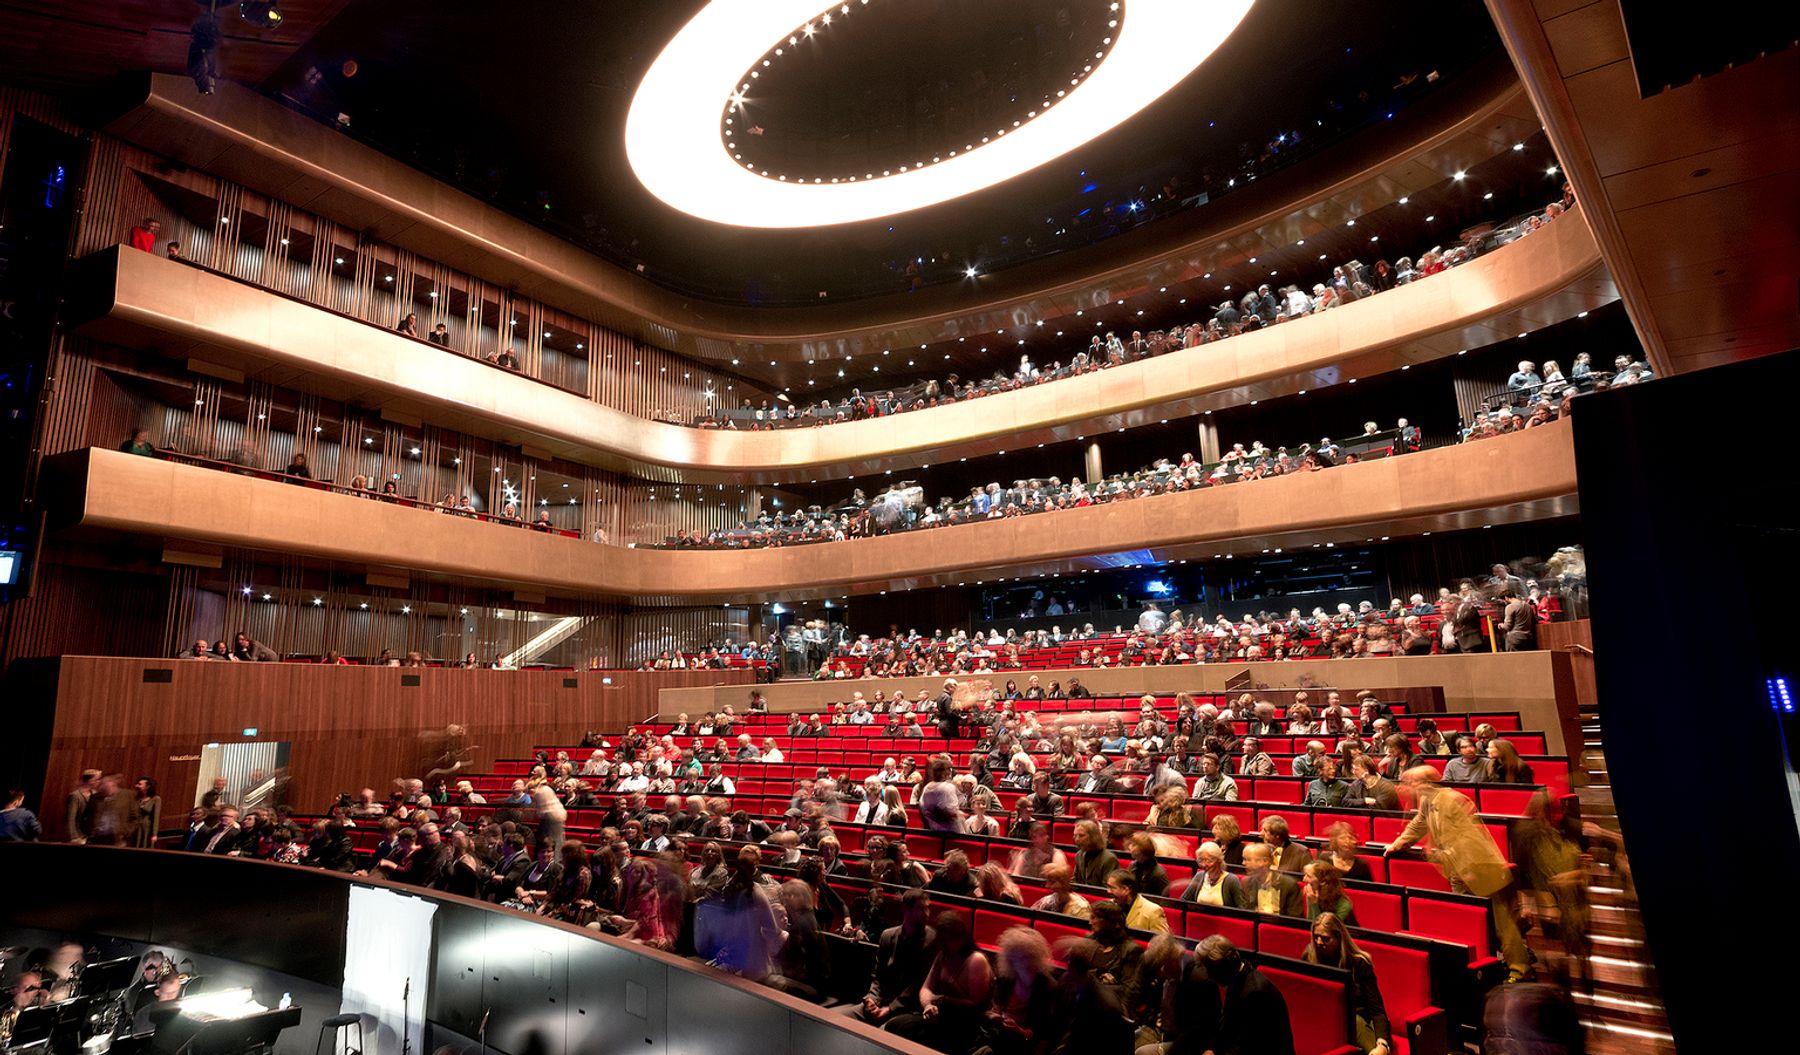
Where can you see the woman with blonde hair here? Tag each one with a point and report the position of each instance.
(1171, 810)
(896, 809)
(992, 882)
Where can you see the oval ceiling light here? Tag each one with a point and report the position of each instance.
(674, 145)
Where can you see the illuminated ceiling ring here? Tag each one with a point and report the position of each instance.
(672, 132)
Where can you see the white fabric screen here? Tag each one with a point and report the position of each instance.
(387, 945)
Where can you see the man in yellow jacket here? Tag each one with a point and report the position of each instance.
(1468, 856)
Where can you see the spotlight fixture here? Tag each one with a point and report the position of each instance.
(264, 13)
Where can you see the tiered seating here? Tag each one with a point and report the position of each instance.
(1432, 947)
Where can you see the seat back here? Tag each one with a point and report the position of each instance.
(1318, 1009)
(1457, 921)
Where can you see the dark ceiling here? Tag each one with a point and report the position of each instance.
(525, 108)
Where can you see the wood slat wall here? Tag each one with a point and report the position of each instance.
(240, 232)
(350, 727)
(100, 402)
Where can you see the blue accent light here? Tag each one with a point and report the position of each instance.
(1090, 188)
(1781, 697)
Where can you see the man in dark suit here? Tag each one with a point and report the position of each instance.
(222, 837)
(1267, 890)
(1465, 621)
(515, 862)
(429, 866)
(902, 958)
(1254, 1019)
(1099, 779)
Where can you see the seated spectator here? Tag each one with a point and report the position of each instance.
(978, 822)
(953, 998)
(1033, 860)
(1099, 779)
(408, 325)
(1093, 861)
(992, 883)
(1044, 802)
(1306, 765)
(1254, 1016)
(1333, 946)
(1289, 856)
(1140, 914)
(1267, 890)
(1256, 762)
(1212, 884)
(1230, 838)
(955, 877)
(1325, 893)
(1152, 878)
(1060, 879)
(1370, 789)
(1468, 767)
(1340, 850)
(139, 443)
(1023, 1016)
(1325, 789)
(1505, 765)
(1213, 785)
(903, 955)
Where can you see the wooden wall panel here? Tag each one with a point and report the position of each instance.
(350, 727)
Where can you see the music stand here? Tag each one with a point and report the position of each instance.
(109, 976)
(34, 1024)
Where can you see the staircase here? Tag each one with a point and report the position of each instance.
(1621, 1008)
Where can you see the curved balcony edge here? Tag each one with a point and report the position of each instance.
(145, 301)
(1525, 476)
(279, 151)
(571, 989)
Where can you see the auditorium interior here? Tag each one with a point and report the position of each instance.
(462, 465)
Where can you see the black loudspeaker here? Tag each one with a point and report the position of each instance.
(1693, 548)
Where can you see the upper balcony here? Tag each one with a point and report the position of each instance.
(274, 150)
(186, 312)
(1526, 476)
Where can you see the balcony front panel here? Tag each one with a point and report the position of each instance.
(182, 311)
(1525, 476)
